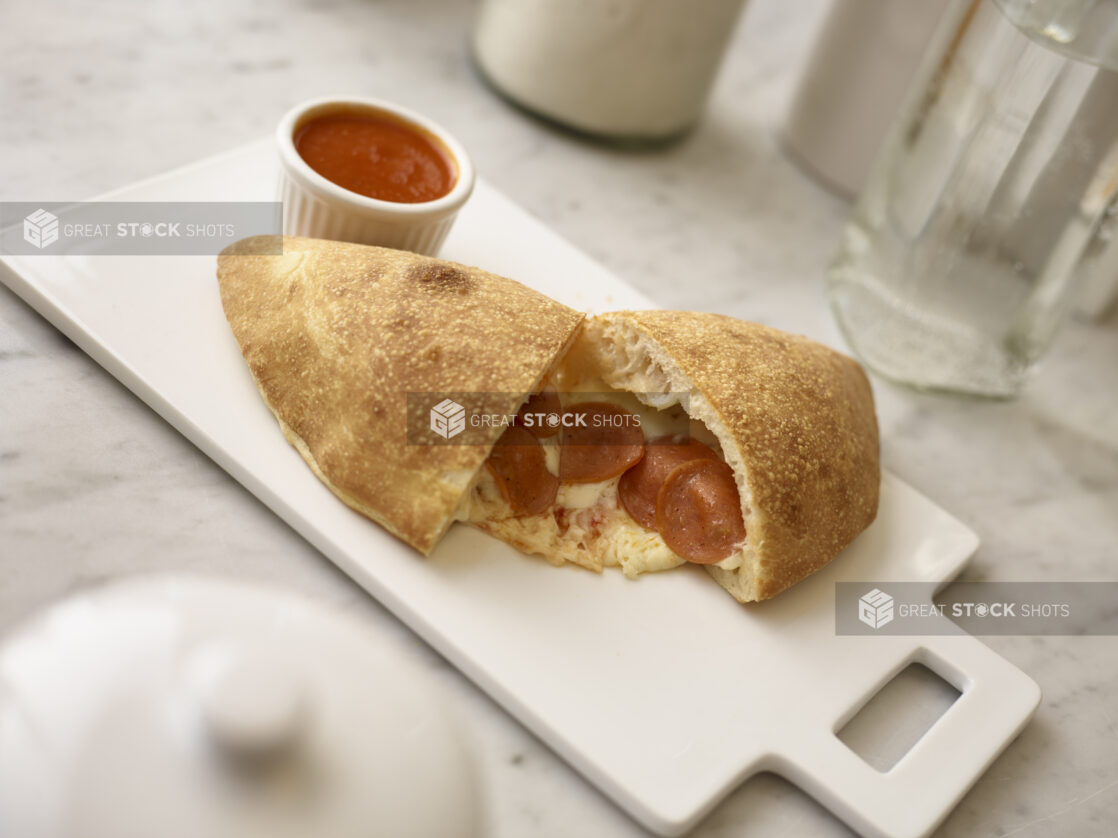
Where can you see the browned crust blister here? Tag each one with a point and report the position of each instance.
(802, 418)
(337, 334)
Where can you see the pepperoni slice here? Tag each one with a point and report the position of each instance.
(517, 464)
(536, 417)
(698, 512)
(598, 441)
(640, 485)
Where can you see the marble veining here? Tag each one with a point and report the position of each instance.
(93, 485)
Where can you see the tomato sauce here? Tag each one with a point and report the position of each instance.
(378, 157)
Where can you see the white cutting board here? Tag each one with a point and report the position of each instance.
(664, 692)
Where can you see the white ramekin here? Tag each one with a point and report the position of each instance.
(318, 208)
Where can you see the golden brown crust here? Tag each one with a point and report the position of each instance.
(802, 418)
(337, 334)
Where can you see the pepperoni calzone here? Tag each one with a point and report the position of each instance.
(641, 440)
(758, 455)
(336, 335)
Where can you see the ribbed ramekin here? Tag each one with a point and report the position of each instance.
(318, 208)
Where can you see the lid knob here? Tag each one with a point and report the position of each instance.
(253, 703)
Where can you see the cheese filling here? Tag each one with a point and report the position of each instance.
(587, 525)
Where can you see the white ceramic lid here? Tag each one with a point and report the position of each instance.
(182, 707)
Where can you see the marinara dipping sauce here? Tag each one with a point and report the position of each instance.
(377, 156)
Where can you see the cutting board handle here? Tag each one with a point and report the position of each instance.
(910, 799)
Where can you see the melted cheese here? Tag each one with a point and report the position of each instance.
(587, 527)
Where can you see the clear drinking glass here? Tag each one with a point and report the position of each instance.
(990, 196)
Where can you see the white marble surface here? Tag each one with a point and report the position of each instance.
(94, 486)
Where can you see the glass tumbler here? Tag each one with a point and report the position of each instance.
(989, 199)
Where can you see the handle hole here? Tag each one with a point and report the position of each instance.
(898, 716)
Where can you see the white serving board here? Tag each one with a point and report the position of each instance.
(664, 692)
